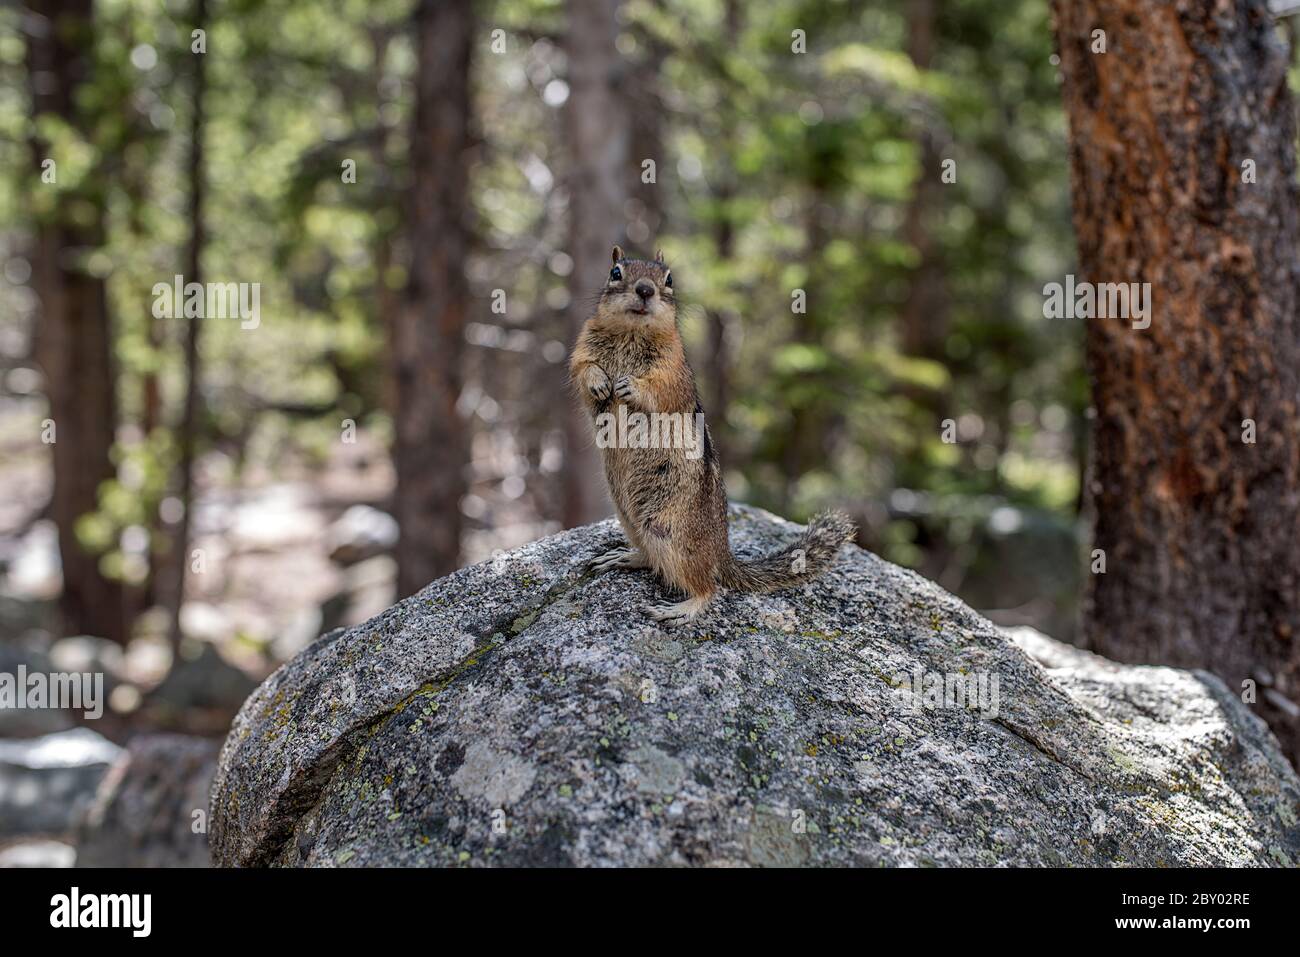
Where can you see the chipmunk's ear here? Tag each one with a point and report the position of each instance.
(659, 255)
(618, 252)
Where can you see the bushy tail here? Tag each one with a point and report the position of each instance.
(803, 561)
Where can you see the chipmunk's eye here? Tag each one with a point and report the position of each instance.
(615, 274)
(668, 280)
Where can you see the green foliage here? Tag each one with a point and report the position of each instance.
(782, 172)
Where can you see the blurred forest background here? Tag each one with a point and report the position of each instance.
(773, 172)
(426, 192)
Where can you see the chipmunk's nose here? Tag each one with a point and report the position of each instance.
(644, 288)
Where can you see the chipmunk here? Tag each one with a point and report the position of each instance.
(672, 504)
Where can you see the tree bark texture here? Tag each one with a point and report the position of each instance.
(1182, 148)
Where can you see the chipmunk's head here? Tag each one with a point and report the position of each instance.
(638, 291)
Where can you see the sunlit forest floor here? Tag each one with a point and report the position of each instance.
(286, 551)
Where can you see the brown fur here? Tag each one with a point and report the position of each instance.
(673, 508)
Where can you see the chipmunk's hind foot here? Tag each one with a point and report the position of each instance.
(618, 558)
(680, 612)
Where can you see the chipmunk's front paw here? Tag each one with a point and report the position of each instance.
(597, 384)
(624, 389)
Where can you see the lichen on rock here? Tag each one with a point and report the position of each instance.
(524, 712)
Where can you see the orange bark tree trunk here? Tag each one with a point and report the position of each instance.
(1182, 148)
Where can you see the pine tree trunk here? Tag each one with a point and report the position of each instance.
(598, 129)
(431, 447)
(178, 557)
(387, 300)
(724, 325)
(648, 116)
(925, 311)
(73, 344)
(1182, 143)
